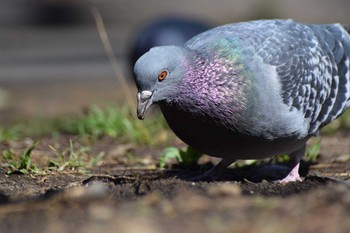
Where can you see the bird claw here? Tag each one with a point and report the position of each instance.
(293, 176)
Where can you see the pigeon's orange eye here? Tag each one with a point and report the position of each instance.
(162, 75)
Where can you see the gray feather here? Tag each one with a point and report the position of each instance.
(312, 62)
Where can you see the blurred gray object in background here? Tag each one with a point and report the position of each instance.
(56, 12)
(164, 31)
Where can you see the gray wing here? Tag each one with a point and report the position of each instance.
(312, 62)
(315, 72)
(330, 76)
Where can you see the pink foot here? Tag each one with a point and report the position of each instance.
(293, 176)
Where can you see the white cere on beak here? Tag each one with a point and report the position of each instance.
(144, 95)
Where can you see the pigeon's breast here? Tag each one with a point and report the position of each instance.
(215, 139)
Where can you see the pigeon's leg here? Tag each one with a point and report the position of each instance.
(294, 173)
(214, 172)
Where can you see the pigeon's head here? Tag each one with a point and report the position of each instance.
(157, 75)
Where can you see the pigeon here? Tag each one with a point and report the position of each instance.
(249, 90)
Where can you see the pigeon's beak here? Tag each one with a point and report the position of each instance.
(144, 101)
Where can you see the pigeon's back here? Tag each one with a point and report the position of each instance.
(311, 62)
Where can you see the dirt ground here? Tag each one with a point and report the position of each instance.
(125, 193)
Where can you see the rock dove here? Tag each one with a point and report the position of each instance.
(249, 90)
(164, 31)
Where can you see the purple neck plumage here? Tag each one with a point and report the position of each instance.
(211, 88)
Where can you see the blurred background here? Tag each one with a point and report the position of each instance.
(52, 61)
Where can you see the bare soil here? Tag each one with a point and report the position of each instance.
(126, 192)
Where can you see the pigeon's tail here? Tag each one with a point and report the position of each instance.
(340, 88)
(346, 44)
(347, 55)
(347, 28)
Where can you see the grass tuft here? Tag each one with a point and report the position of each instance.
(185, 158)
(73, 159)
(20, 164)
(118, 123)
(115, 122)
